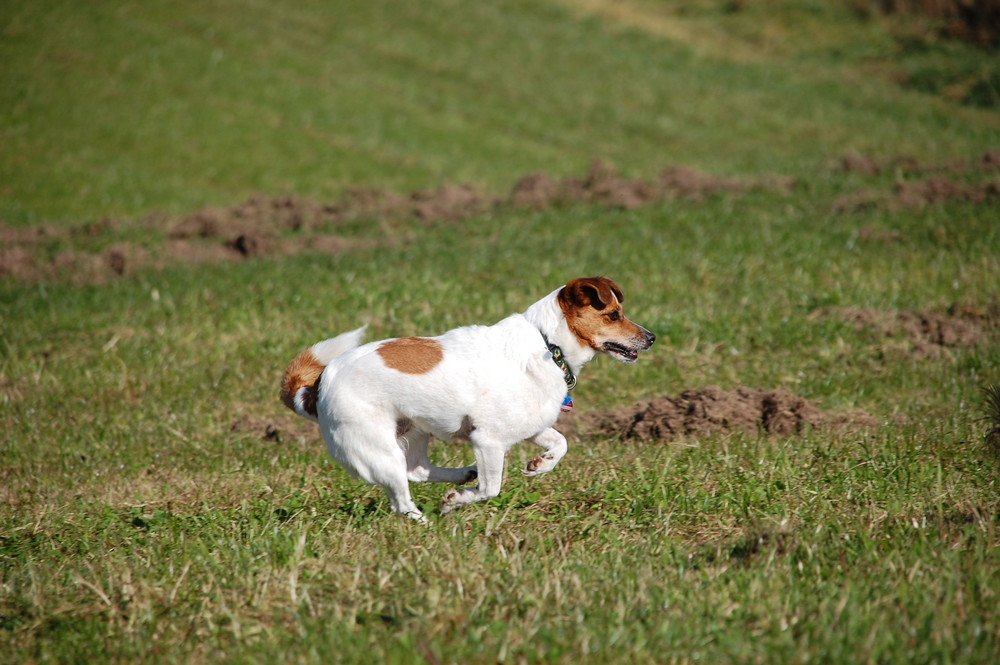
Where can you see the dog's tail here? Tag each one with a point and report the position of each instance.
(300, 384)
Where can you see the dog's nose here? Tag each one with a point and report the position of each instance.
(650, 337)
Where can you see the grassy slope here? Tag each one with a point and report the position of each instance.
(141, 525)
(110, 109)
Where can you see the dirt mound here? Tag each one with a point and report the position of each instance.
(602, 185)
(866, 165)
(193, 241)
(279, 429)
(29, 264)
(258, 214)
(261, 216)
(910, 192)
(967, 20)
(916, 194)
(263, 225)
(709, 410)
(925, 333)
(19, 263)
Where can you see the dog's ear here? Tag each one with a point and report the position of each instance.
(597, 292)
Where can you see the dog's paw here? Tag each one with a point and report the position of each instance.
(539, 465)
(419, 518)
(448, 501)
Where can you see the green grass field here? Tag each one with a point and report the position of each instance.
(158, 504)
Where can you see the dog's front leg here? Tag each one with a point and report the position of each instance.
(555, 447)
(489, 465)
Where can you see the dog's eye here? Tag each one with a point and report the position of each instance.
(614, 315)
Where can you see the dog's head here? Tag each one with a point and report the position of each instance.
(593, 310)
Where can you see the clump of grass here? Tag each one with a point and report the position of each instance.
(991, 404)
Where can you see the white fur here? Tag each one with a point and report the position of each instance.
(495, 386)
(329, 349)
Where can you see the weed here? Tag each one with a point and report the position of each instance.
(991, 404)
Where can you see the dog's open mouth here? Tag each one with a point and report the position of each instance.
(620, 352)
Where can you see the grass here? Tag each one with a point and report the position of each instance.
(147, 517)
(196, 105)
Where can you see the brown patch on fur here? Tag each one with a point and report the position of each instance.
(411, 355)
(533, 464)
(598, 292)
(303, 372)
(593, 311)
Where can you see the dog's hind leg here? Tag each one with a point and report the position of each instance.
(371, 453)
(555, 447)
(398, 490)
(418, 465)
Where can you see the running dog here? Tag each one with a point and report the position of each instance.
(378, 404)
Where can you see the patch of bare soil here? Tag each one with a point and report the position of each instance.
(450, 203)
(925, 333)
(916, 194)
(258, 213)
(281, 429)
(704, 411)
(263, 225)
(603, 185)
(19, 263)
(976, 21)
(188, 243)
(863, 164)
(918, 184)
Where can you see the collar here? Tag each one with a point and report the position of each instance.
(560, 360)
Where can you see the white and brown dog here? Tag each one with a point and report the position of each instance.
(494, 386)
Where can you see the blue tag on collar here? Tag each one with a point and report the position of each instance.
(567, 404)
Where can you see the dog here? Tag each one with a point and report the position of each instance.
(379, 404)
